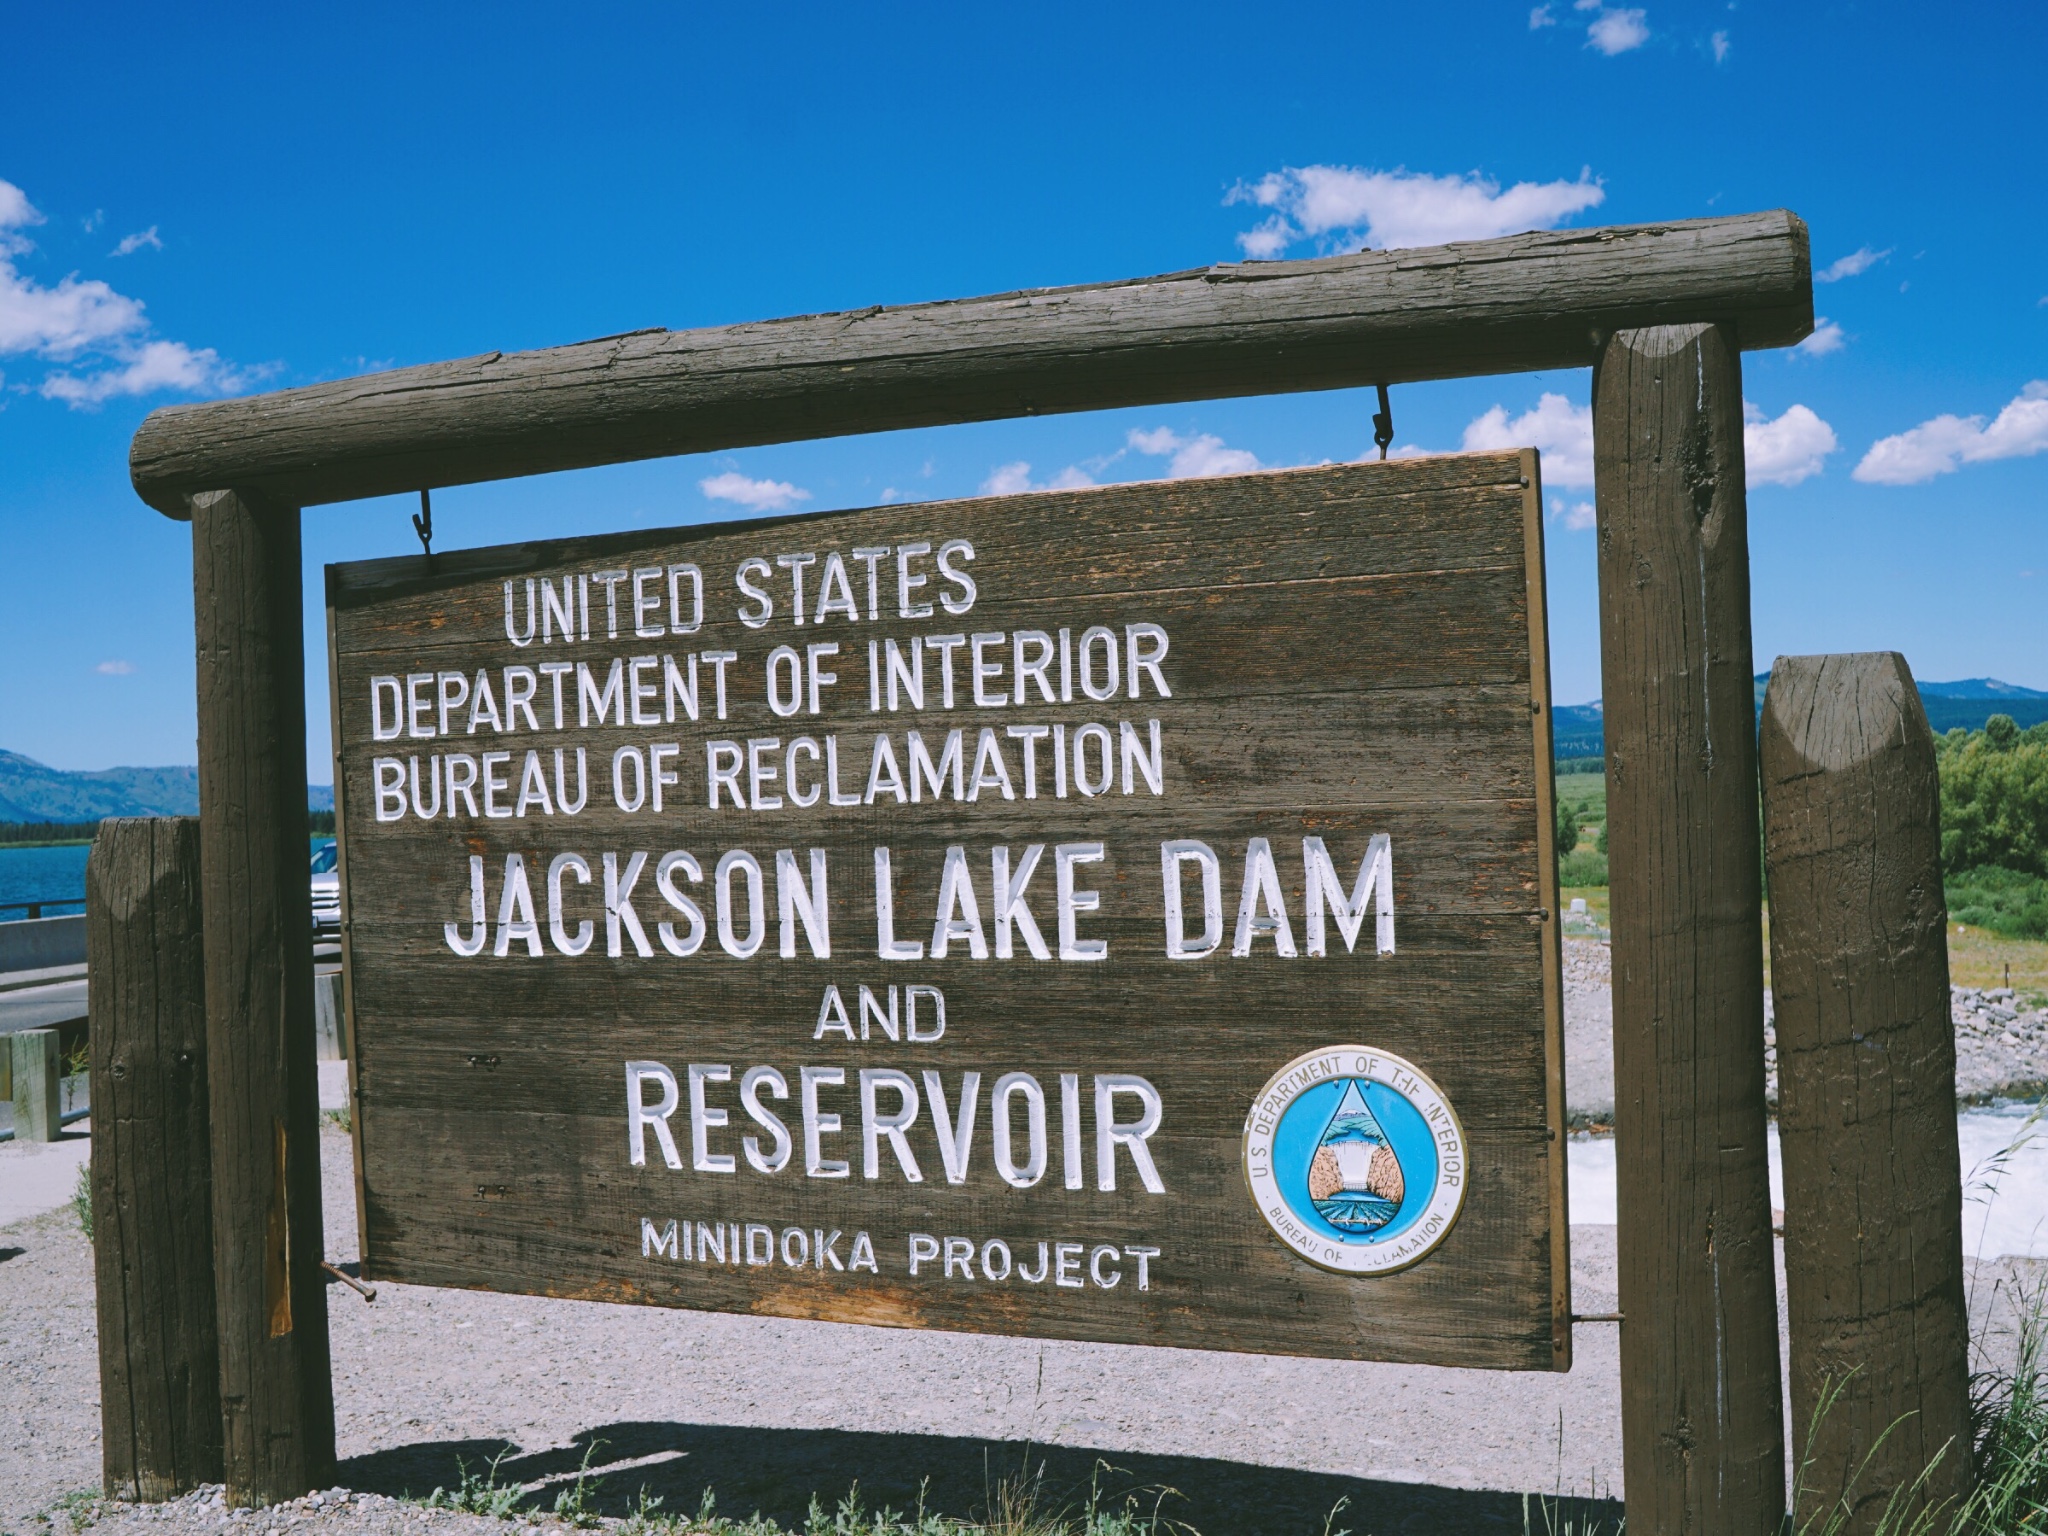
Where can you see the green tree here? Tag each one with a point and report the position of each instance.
(1567, 827)
(1994, 799)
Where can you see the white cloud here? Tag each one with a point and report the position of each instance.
(755, 495)
(1578, 516)
(1540, 17)
(1945, 443)
(1268, 240)
(1617, 31)
(1008, 480)
(1193, 458)
(143, 370)
(1855, 264)
(86, 319)
(1560, 430)
(1719, 43)
(130, 244)
(16, 212)
(1348, 208)
(56, 322)
(115, 668)
(1827, 337)
(1780, 452)
(62, 321)
(1787, 450)
(1015, 479)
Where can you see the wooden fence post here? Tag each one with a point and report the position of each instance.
(38, 1071)
(1702, 1411)
(160, 1423)
(276, 1390)
(1866, 1084)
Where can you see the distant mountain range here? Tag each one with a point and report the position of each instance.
(30, 791)
(1576, 729)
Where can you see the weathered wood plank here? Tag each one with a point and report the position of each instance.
(1352, 652)
(1702, 1415)
(1526, 302)
(1867, 1107)
(1397, 517)
(160, 1413)
(37, 1082)
(274, 1373)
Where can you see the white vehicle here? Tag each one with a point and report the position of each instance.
(326, 893)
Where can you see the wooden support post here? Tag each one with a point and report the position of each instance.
(1701, 1407)
(38, 1068)
(276, 1391)
(160, 1423)
(1866, 1085)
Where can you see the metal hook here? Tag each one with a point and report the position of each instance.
(423, 520)
(367, 1292)
(1382, 425)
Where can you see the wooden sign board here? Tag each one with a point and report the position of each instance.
(1126, 914)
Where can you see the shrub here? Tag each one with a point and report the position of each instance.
(1584, 867)
(1994, 798)
(2003, 901)
(1567, 828)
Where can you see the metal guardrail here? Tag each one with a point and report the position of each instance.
(36, 909)
(67, 1118)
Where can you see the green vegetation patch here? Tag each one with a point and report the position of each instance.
(46, 834)
(1582, 867)
(1994, 797)
(2001, 901)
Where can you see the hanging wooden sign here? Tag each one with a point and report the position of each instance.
(1120, 914)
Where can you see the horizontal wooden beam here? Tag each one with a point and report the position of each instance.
(1479, 307)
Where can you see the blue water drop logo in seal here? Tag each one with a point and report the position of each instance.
(1356, 1159)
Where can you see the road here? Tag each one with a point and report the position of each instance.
(38, 1007)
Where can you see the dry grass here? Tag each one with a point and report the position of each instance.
(1979, 959)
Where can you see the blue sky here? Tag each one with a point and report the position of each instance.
(218, 199)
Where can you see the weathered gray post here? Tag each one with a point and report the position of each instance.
(276, 1388)
(1866, 1085)
(160, 1422)
(1701, 1406)
(38, 1084)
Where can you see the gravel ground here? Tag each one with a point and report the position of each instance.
(1588, 1033)
(769, 1411)
(2001, 1045)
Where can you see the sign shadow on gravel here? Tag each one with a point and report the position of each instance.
(776, 1472)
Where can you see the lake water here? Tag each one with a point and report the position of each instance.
(51, 874)
(42, 874)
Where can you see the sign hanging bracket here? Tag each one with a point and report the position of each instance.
(423, 520)
(1382, 425)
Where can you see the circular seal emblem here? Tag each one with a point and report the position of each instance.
(1356, 1159)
